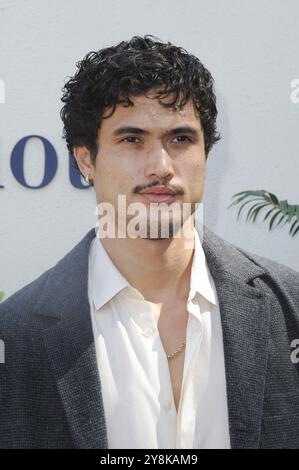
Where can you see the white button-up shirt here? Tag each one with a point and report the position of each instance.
(133, 366)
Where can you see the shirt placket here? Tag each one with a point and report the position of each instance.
(144, 318)
(186, 413)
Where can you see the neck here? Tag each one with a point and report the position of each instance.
(159, 269)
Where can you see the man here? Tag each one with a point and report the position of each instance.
(147, 341)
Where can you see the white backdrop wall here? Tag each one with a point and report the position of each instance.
(251, 48)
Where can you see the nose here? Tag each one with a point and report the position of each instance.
(158, 164)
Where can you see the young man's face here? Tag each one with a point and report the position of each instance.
(130, 161)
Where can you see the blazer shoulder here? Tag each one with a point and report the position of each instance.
(16, 309)
(282, 280)
(284, 277)
(235, 256)
(273, 267)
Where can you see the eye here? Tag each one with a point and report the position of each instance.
(130, 137)
(183, 137)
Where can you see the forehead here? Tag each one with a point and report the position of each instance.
(148, 113)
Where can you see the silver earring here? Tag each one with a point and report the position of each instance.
(88, 180)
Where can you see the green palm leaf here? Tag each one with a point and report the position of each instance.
(280, 211)
(1, 296)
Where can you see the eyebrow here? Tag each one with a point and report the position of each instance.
(138, 130)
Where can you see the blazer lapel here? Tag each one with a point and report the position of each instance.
(69, 343)
(244, 310)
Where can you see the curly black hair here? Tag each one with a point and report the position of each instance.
(131, 68)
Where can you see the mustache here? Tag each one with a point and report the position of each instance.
(177, 189)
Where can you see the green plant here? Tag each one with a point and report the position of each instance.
(1, 296)
(289, 213)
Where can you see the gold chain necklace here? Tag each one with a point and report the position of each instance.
(181, 346)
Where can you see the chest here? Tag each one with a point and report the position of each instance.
(172, 326)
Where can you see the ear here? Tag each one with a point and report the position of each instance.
(83, 159)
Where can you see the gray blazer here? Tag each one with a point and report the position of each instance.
(50, 390)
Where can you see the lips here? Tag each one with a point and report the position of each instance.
(158, 194)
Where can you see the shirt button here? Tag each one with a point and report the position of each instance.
(148, 332)
(168, 405)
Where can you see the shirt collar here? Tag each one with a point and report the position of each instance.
(107, 281)
(201, 281)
